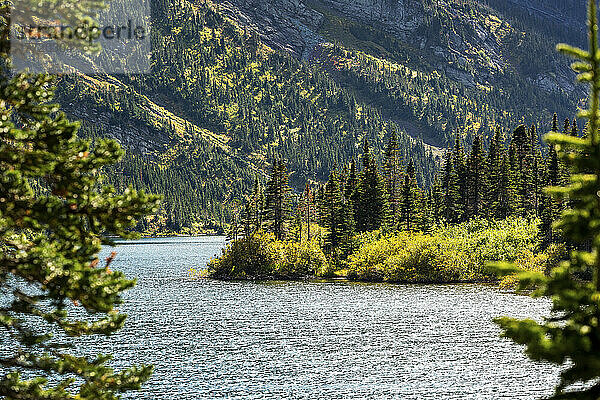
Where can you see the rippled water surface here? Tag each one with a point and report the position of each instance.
(213, 340)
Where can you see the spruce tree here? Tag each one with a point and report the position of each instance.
(371, 205)
(514, 184)
(551, 207)
(506, 192)
(234, 228)
(247, 219)
(257, 205)
(574, 129)
(494, 181)
(570, 337)
(337, 219)
(477, 171)
(49, 245)
(553, 162)
(452, 202)
(410, 212)
(278, 200)
(436, 203)
(427, 213)
(537, 172)
(351, 192)
(392, 178)
(460, 167)
(308, 209)
(54, 216)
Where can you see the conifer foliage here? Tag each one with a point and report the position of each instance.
(49, 243)
(278, 200)
(571, 336)
(504, 180)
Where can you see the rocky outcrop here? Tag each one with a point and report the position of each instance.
(399, 17)
(282, 24)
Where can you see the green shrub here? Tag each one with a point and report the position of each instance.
(298, 260)
(448, 254)
(244, 258)
(261, 256)
(535, 262)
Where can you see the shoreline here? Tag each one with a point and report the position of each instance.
(346, 280)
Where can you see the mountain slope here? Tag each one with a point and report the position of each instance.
(236, 83)
(217, 109)
(494, 53)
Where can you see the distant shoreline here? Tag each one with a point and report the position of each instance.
(160, 236)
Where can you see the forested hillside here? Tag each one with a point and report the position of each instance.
(224, 98)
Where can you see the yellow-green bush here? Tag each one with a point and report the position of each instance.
(449, 254)
(297, 260)
(261, 256)
(244, 258)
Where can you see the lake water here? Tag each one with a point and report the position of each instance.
(216, 340)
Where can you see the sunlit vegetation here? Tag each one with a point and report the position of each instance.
(446, 254)
(378, 224)
(262, 256)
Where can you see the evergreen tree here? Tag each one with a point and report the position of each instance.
(410, 215)
(50, 237)
(574, 129)
(553, 162)
(506, 192)
(547, 235)
(371, 205)
(460, 166)
(234, 227)
(494, 183)
(257, 206)
(567, 127)
(351, 192)
(477, 172)
(436, 202)
(451, 191)
(552, 207)
(51, 240)
(514, 184)
(571, 336)
(247, 220)
(537, 173)
(426, 205)
(337, 219)
(393, 181)
(453, 185)
(278, 200)
(308, 210)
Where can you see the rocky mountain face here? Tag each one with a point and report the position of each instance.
(476, 44)
(288, 25)
(567, 13)
(294, 25)
(400, 17)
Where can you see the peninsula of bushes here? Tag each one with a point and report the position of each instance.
(450, 254)
(379, 225)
